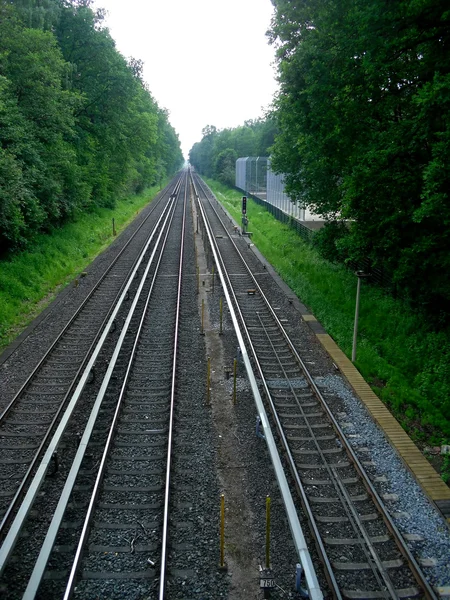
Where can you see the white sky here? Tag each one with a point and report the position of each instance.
(207, 62)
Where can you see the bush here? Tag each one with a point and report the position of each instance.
(327, 241)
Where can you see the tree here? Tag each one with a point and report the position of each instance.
(364, 128)
(212, 156)
(78, 126)
(225, 166)
(37, 115)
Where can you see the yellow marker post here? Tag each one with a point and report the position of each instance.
(208, 381)
(222, 531)
(268, 532)
(221, 312)
(203, 317)
(234, 381)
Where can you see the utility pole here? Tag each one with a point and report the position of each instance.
(360, 275)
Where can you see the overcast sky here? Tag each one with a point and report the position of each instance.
(207, 62)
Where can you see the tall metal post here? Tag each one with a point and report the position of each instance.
(222, 531)
(360, 275)
(355, 327)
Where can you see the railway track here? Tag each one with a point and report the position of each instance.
(32, 415)
(123, 466)
(363, 553)
(127, 437)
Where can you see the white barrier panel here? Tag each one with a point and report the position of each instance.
(254, 176)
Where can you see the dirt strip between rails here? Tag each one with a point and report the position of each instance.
(241, 563)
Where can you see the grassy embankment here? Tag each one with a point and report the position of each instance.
(405, 362)
(30, 280)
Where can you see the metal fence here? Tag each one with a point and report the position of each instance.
(251, 175)
(277, 197)
(255, 178)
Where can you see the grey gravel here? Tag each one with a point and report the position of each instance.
(416, 515)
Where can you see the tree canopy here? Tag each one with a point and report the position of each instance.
(215, 155)
(78, 126)
(364, 131)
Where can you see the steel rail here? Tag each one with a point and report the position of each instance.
(47, 546)
(165, 531)
(26, 478)
(353, 517)
(18, 522)
(314, 590)
(101, 472)
(403, 548)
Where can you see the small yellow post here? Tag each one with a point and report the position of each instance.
(213, 278)
(203, 317)
(234, 381)
(221, 312)
(208, 381)
(222, 531)
(268, 532)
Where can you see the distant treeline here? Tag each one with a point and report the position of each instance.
(363, 116)
(216, 154)
(78, 126)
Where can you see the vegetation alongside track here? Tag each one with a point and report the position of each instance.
(79, 127)
(400, 355)
(364, 132)
(29, 280)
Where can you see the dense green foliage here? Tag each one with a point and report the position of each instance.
(78, 127)
(398, 353)
(364, 121)
(216, 154)
(30, 279)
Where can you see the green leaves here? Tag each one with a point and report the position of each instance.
(213, 154)
(78, 127)
(363, 114)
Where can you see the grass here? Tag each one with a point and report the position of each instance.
(29, 280)
(406, 363)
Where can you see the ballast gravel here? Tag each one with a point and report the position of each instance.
(414, 514)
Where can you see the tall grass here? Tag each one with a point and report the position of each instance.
(30, 279)
(406, 363)
(404, 360)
